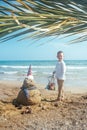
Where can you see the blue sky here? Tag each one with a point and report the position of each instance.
(33, 50)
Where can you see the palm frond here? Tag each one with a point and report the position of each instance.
(42, 18)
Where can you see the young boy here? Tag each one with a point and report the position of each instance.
(60, 70)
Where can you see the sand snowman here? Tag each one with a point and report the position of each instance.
(29, 93)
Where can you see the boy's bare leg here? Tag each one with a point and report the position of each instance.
(62, 93)
(60, 89)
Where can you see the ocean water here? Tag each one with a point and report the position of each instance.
(76, 74)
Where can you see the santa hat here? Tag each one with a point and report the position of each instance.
(29, 73)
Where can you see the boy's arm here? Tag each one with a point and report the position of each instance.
(54, 71)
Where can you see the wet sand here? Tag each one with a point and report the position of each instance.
(70, 114)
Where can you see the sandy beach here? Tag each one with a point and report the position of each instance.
(70, 114)
(43, 46)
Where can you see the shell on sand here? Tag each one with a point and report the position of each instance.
(33, 98)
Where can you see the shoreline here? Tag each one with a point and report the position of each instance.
(67, 89)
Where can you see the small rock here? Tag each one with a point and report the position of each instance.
(83, 111)
(43, 107)
(40, 105)
(67, 123)
(56, 104)
(27, 110)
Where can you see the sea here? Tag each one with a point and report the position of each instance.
(76, 72)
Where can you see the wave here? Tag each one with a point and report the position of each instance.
(6, 66)
(76, 67)
(43, 67)
(9, 72)
(46, 73)
(37, 73)
(69, 67)
(25, 67)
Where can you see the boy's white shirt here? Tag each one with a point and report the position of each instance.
(60, 70)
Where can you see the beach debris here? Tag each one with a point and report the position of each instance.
(27, 110)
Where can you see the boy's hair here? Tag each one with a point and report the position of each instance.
(59, 52)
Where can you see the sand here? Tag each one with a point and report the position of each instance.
(70, 114)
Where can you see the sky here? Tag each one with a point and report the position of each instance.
(44, 49)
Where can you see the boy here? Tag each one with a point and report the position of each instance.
(60, 70)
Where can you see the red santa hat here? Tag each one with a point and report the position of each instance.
(29, 73)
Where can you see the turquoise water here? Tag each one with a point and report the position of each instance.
(76, 74)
